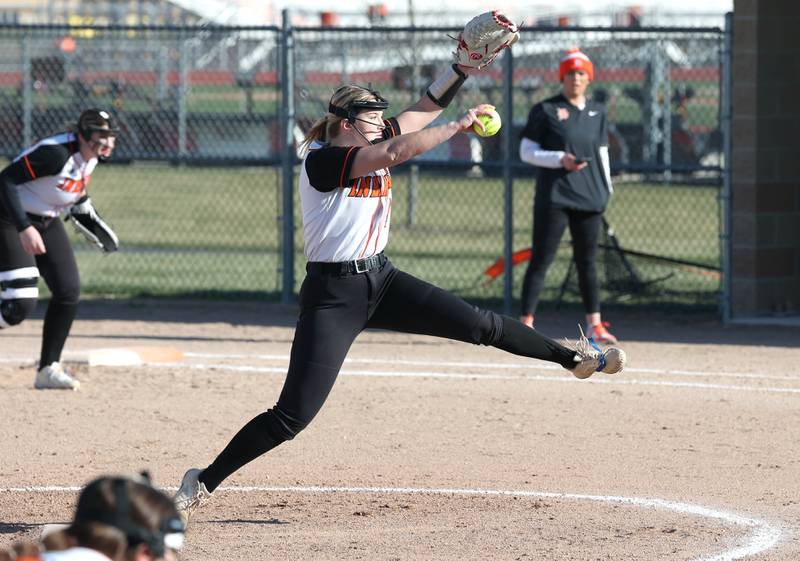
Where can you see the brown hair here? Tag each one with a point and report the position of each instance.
(327, 127)
(21, 551)
(100, 520)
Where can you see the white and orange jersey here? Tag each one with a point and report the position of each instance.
(344, 219)
(51, 175)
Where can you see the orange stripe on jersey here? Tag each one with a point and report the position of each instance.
(388, 214)
(344, 165)
(378, 237)
(30, 169)
(371, 228)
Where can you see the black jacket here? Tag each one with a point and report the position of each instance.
(556, 124)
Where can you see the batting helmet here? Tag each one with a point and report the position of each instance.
(93, 120)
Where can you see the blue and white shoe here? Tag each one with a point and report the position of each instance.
(590, 358)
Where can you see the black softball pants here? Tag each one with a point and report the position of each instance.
(334, 310)
(549, 224)
(60, 272)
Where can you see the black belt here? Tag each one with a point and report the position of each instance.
(348, 267)
(40, 220)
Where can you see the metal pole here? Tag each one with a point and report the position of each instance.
(289, 156)
(667, 117)
(653, 109)
(726, 87)
(508, 182)
(27, 93)
(183, 92)
(162, 69)
(413, 178)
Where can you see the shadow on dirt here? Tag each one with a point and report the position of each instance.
(698, 329)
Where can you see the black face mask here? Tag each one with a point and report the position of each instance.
(356, 107)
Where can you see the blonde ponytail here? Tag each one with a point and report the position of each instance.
(321, 130)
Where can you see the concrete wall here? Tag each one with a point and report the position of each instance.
(765, 232)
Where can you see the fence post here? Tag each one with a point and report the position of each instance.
(726, 105)
(666, 114)
(508, 181)
(27, 92)
(183, 91)
(289, 155)
(653, 107)
(162, 80)
(413, 177)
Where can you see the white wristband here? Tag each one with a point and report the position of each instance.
(444, 88)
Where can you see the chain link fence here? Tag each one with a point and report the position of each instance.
(193, 191)
(197, 190)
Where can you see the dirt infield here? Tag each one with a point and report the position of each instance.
(426, 449)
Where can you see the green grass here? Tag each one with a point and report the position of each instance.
(215, 231)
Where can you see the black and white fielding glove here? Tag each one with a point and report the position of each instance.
(88, 222)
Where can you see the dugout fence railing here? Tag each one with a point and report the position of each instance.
(202, 188)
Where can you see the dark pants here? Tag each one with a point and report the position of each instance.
(60, 271)
(334, 310)
(549, 224)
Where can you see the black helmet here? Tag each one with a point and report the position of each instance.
(128, 518)
(93, 120)
(355, 107)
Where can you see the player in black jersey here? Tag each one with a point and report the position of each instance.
(45, 181)
(566, 137)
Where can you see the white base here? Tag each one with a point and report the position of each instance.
(124, 356)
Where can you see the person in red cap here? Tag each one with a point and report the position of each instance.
(566, 138)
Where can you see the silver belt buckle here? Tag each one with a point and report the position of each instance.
(360, 270)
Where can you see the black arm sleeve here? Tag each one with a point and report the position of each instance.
(392, 128)
(48, 159)
(9, 197)
(328, 168)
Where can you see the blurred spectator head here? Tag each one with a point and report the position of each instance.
(126, 519)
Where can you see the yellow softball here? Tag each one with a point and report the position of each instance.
(491, 124)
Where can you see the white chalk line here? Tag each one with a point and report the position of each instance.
(537, 365)
(534, 365)
(763, 536)
(597, 379)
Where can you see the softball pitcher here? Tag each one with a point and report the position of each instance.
(346, 196)
(44, 181)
